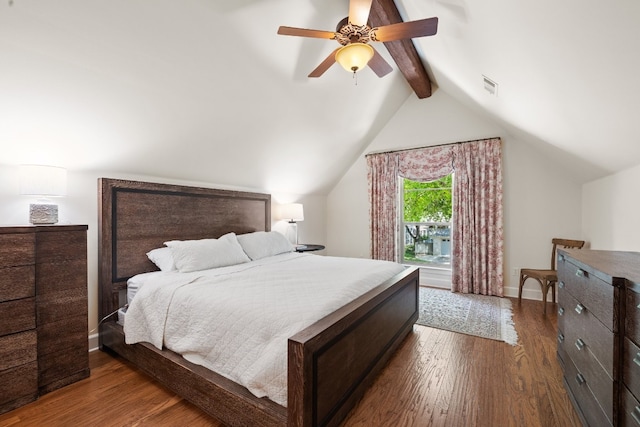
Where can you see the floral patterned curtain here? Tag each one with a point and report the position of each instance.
(477, 207)
(426, 164)
(383, 189)
(477, 219)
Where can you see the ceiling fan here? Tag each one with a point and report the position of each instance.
(354, 34)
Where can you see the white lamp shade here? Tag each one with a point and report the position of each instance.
(292, 212)
(40, 180)
(354, 56)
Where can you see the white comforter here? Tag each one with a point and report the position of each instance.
(236, 320)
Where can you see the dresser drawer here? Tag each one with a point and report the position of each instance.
(632, 318)
(63, 364)
(581, 392)
(17, 249)
(592, 292)
(631, 367)
(17, 316)
(586, 340)
(17, 349)
(630, 411)
(56, 306)
(17, 282)
(66, 333)
(600, 384)
(19, 386)
(562, 353)
(53, 247)
(62, 275)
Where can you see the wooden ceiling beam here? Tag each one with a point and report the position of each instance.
(403, 52)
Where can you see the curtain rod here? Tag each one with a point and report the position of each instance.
(429, 146)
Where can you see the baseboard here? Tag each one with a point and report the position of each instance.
(93, 342)
(509, 291)
(534, 293)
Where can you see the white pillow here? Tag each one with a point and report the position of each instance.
(262, 244)
(195, 255)
(162, 258)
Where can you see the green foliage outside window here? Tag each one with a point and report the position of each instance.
(428, 201)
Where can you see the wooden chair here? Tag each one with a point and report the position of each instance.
(547, 278)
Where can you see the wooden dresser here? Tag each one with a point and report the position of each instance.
(595, 294)
(43, 310)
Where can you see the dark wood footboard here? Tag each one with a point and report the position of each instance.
(332, 362)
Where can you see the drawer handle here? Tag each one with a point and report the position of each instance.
(561, 286)
(580, 379)
(636, 359)
(560, 338)
(579, 344)
(580, 272)
(636, 414)
(579, 308)
(560, 311)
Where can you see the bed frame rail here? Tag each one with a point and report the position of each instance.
(216, 395)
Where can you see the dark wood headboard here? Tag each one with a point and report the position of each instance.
(135, 217)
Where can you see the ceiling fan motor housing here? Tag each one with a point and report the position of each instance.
(346, 33)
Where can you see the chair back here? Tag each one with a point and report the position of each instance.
(564, 243)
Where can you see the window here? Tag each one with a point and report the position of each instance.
(477, 184)
(426, 222)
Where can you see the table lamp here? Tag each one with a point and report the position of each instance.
(293, 213)
(43, 182)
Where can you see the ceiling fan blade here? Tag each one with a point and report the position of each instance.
(359, 11)
(324, 65)
(303, 32)
(379, 65)
(407, 30)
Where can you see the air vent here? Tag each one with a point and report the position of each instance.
(490, 86)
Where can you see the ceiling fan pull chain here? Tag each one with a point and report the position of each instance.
(355, 78)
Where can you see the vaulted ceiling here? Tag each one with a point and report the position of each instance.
(205, 90)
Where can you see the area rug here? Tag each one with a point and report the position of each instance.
(478, 315)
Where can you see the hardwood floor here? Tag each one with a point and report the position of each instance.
(440, 378)
(437, 378)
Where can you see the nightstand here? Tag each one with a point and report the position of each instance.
(309, 248)
(43, 311)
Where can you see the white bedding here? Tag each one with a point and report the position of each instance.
(236, 320)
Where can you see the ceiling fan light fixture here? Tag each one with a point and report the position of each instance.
(354, 56)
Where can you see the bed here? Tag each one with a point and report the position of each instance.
(330, 363)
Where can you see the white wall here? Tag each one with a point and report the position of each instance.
(80, 206)
(610, 209)
(540, 202)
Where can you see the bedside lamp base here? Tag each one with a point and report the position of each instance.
(43, 213)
